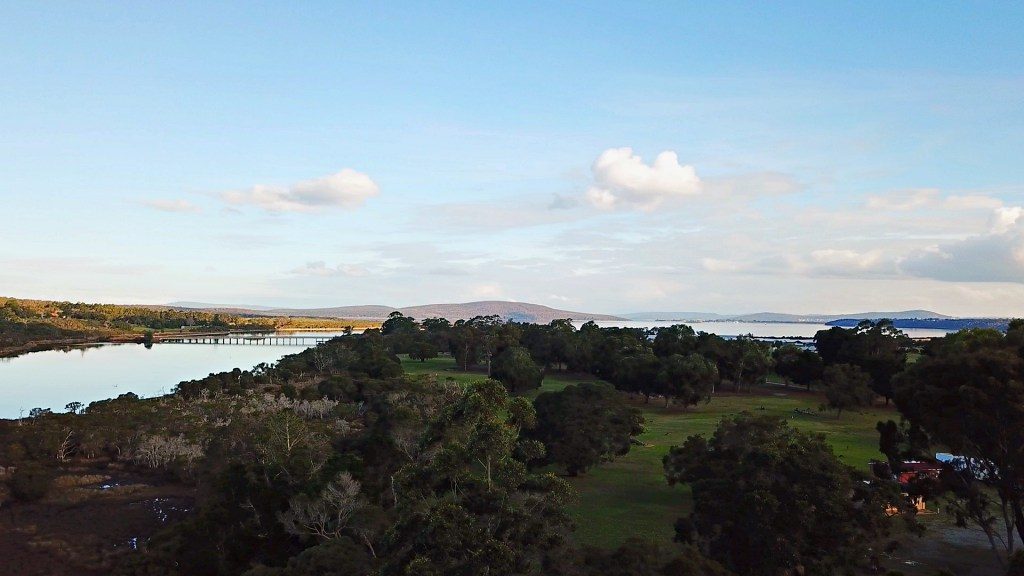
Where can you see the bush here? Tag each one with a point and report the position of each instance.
(30, 482)
(516, 370)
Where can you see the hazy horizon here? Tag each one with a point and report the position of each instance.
(736, 158)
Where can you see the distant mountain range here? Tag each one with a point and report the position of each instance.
(776, 317)
(526, 312)
(518, 311)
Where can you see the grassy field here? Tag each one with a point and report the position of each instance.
(630, 498)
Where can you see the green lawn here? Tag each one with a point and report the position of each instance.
(444, 368)
(629, 497)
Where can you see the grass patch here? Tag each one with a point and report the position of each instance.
(630, 497)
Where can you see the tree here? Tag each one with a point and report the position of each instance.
(687, 379)
(326, 515)
(901, 442)
(583, 425)
(468, 505)
(748, 361)
(637, 373)
(423, 350)
(465, 341)
(30, 482)
(676, 339)
(769, 499)
(832, 343)
(397, 322)
(802, 367)
(972, 402)
(846, 387)
(875, 347)
(638, 557)
(516, 370)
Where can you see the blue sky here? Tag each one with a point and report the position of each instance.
(811, 157)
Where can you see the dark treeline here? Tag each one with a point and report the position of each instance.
(675, 363)
(335, 462)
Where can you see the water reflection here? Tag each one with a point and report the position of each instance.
(53, 378)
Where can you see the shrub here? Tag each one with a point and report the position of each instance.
(30, 482)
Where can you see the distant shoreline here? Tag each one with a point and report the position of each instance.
(57, 344)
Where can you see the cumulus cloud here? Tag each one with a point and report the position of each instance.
(622, 179)
(346, 189)
(181, 206)
(997, 256)
(1006, 219)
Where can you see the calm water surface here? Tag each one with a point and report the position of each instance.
(54, 378)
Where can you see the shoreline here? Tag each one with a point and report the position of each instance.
(47, 345)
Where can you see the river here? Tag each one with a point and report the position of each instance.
(53, 378)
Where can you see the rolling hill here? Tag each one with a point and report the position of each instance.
(519, 311)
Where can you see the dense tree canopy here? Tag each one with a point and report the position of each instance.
(846, 387)
(877, 348)
(768, 499)
(967, 394)
(802, 367)
(514, 368)
(583, 425)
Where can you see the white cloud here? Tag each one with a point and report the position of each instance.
(832, 262)
(997, 256)
(622, 179)
(486, 291)
(720, 265)
(904, 199)
(346, 189)
(320, 268)
(765, 183)
(972, 202)
(182, 206)
(824, 263)
(1006, 219)
(916, 198)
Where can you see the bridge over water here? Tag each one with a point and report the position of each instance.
(229, 339)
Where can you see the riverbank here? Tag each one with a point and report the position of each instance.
(62, 343)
